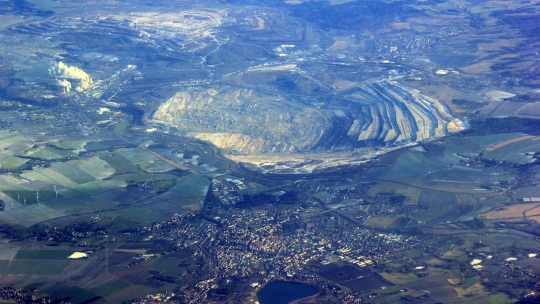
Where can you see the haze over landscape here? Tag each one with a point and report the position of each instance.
(243, 151)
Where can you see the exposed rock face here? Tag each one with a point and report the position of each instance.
(393, 113)
(246, 121)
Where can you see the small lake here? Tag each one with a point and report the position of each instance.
(284, 292)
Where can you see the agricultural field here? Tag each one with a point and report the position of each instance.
(530, 110)
(142, 216)
(188, 192)
(411, 194)
(519, 150)
(110, 288)
(525, 193)
(89, 278)
(442, 179)
(399, 278)
(196, 159)
(13, 162)
(435, 282)
(500, 108)
(120, 164)
(62, 177)
(49, 153)
(513, 213)
(36, 267)
(43, 254)
(52, 5)
(11, 144)
(435, 166)
(77, 295)
(380, 222)
(482, 142)
(29, 215)
(4, 265)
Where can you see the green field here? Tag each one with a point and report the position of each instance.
(494, 299)
(51, 176)
(70, 204)
(138, 155)
(29, 215)
(162, 185)
(13, 162)
(75, 144)
(110, 288)
(457, 175)
(515, 152)
(157, 166)
(121, 127)
(37, 175)
(407, 166)
(76, 295)
(187, 190)
(31, 197)
(145, 177)
(10, 139)
(51, 5)
(122, 223)
(388, 290)
(97, 168)
(492, 139)
(130, 218)
(37, 267)
(98, 187)
(462, 146)
(443, 292)
(438, 204)
(43, 254)
(399, 278)
(143, 215)
(167, 265)
(413, 253)
(3, 266)
(120, 164)
(49, 153)
(70, 170)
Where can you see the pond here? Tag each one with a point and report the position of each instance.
(284, 292)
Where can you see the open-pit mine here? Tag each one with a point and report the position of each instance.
(248, 122)
(281, 91)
